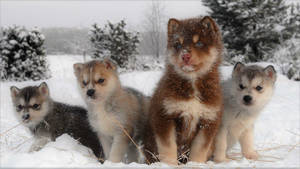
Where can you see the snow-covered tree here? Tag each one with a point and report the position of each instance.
(287, 57)
(251, 28)
(22, 55)
(292, 22)
(115, 42)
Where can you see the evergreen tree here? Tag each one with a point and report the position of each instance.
(115, 42)
(252, 28)
(22, 55)
(292, 22)
(99, 42)
(287, 57)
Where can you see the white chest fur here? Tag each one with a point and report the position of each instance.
(102, 122)
(192, 110)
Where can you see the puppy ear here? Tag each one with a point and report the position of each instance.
(43, 88)
(237, 68)
(110, 64)
(173, 25)
(209, 24)
(14, 91)
(77, 67)
(270, 72)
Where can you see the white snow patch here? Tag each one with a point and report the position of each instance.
(64, 152)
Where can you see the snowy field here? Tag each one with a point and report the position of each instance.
(277, 131)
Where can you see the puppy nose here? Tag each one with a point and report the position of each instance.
(90, 92)
(186, 57)
(247, 99)
(25, 116)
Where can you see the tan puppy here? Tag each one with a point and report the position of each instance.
(245, 95)
(111, 108)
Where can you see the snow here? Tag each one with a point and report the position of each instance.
(5, 51)
(20, 70)
(23, 34)
(13, 42)
(277, 131)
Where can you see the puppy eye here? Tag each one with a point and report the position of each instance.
(36, 106)
(199, 44)
(84, 83)
(19, 107)
(242, 87)
(177, 46)
(258, 88)
(100, 81)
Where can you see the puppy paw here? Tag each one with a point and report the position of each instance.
(198, 159)
(114, 159)
(170, 162)
(34, 148)
(220, 160)
(253, 155)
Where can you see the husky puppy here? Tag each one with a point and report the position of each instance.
(185, 110)
(47, 119)
(113, 111)
(245, 95)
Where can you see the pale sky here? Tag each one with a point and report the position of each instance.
(83, 13)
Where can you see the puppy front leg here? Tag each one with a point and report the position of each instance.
(106, 145)
(167, 146)
(202, 143)
(118, 148)
(132, 154)
(221, 146)
(247, 145)
(39, 143)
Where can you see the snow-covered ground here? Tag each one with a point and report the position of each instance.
(277, 131)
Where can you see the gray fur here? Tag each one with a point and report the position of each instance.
(136, 128)
(238, 117)
(56, 119)
(143, 109)
(114, 112)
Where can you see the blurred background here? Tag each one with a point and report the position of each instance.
(133, 33)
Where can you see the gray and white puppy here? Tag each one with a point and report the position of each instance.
(245, 95)
(47, 119)
(114, 111)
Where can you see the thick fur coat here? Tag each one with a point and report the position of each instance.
(48, 119)
(186, 108)
(115, 113)
(245, 95)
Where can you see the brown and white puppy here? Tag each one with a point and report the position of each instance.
(245, 95)
(186, 108)
(112, 109)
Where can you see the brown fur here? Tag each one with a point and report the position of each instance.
(178, 85)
